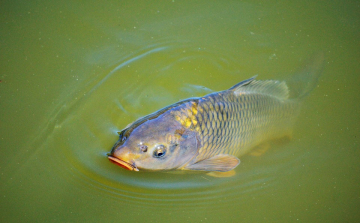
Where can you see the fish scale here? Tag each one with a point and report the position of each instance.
(231, 124)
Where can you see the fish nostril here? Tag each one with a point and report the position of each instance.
(143, 148)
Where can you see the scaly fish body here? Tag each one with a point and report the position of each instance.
(210, 133)
(232, 123)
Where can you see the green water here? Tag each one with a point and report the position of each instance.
(74, 73)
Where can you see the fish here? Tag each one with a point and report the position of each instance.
(212, 132)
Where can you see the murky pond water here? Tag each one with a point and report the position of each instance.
(73, 74)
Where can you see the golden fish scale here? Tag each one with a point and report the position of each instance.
(232, 124)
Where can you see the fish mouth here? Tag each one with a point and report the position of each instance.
(122, 163)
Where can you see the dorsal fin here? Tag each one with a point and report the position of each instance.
(274, 88)
(242, 83)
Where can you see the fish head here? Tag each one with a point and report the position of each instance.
(158, 144)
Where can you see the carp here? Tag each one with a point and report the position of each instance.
(210, 133)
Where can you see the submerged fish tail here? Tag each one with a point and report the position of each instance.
(305, 79)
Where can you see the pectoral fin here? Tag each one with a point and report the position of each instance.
(221, 163)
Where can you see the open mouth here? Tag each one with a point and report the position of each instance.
(122, 163)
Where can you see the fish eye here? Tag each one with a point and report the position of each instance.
(159, 151)
(143, 148)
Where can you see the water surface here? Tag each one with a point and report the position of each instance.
(74, 74)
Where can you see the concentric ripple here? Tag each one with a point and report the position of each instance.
(86, 123)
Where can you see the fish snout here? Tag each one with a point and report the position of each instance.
(123, 157)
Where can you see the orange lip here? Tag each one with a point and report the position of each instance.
(122, 163)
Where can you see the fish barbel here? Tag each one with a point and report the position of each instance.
(210, 133)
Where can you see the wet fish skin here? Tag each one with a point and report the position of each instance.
(232, 122)
(210, 133)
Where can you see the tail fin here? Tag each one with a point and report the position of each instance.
(302, 82)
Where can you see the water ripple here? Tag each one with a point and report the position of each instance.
(137, 85)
